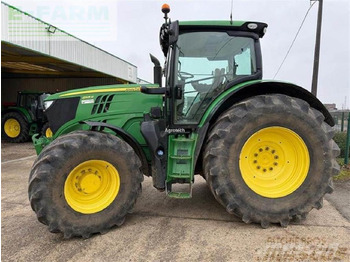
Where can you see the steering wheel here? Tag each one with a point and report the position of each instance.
(185, 75)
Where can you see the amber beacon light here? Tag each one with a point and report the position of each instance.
(165, 8)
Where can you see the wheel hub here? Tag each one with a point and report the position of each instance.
(274, 162)
(266, 158)
(48, 132)
(12, 127)
(92, 186)
(88, 182)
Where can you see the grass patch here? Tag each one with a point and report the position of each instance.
(344, 174)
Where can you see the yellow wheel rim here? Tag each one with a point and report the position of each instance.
(274, 162)
(12, 128)
(92, 186)
(48, 132)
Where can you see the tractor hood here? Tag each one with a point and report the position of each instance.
(100, 103)
(98, 89)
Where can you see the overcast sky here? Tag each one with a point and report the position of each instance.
(129, 29)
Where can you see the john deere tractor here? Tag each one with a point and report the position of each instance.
(264, 147)
(24, 118)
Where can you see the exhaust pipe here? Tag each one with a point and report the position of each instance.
(157, 71)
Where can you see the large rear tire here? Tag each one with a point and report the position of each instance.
(270, 159)
(84, 183)
(15, 129)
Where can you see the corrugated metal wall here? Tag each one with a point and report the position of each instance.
(24, 30)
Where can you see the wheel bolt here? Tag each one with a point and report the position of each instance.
(267, 149)
(276, 157)
(273, 151)
(264, 170)
(255, 161)
(260, 149)
(255, 154)
(275, 163)
(258, 167)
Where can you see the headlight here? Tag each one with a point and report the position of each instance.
(47, 104)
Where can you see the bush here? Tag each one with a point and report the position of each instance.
(340, 139)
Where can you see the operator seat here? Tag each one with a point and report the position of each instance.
(206, 92)
(217, 80)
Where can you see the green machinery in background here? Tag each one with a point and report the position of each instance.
(24, 118)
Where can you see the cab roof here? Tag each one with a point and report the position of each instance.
(245, 26)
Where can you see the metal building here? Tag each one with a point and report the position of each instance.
(37, 56)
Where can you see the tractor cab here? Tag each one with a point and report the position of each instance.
(33, 102)
(203, 59)
(202, 71)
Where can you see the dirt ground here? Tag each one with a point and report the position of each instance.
(164, 229)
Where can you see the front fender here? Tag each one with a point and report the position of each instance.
(100, 126)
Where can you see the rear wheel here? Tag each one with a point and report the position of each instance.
(15, 128)
(84, 183)
(270, 158)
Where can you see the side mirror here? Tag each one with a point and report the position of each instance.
(173, 32)
(169, 33)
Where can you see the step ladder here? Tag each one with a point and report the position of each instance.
(180, 167)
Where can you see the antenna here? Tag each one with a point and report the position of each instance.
(231, 12)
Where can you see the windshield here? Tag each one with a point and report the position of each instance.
(205, 63)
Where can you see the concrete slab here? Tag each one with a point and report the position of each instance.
(163, 229)
(340, 198)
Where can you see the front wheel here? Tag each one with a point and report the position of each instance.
(46, 130)
(84, 183)
(270, 158)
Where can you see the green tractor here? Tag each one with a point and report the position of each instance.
(24, 118)
(265, 148)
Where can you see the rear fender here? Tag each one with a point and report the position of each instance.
(238, 93)
(22, 111)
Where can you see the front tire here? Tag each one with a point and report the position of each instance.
(84, 183)
(270, 159)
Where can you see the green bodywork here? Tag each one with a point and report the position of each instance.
(23, 111)
(229, 63)
(181, 150)
(225, 94)
(126, 110)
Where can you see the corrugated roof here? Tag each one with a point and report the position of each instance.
(22, 30)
